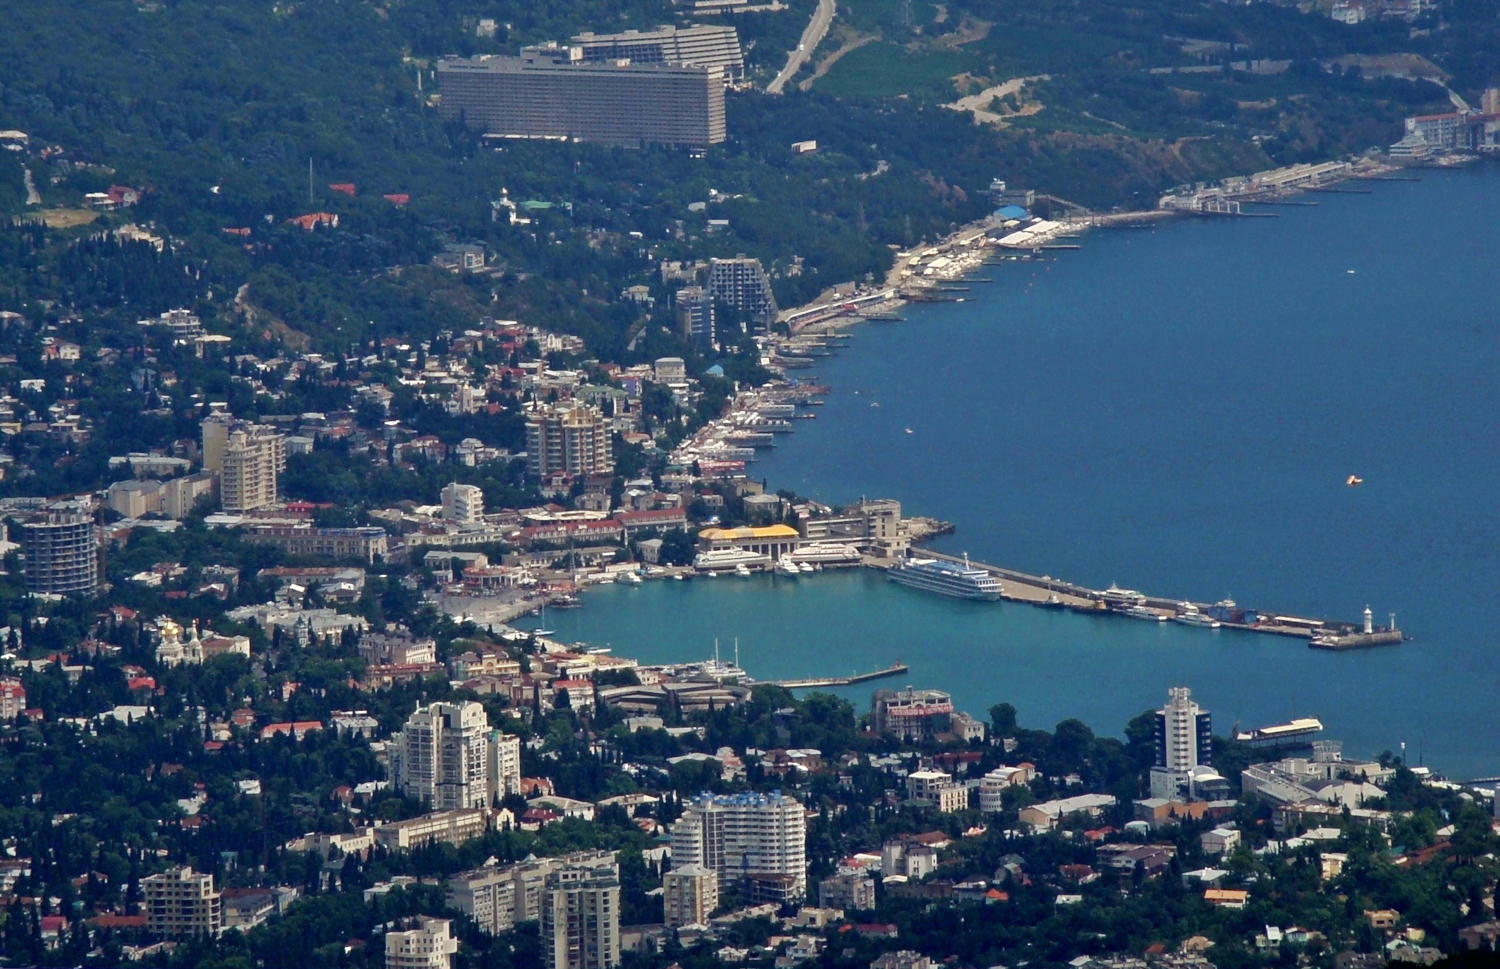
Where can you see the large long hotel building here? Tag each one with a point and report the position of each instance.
(554, 92)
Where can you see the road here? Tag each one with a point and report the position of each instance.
(817, 29)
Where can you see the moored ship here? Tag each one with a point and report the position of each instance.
(948, 578)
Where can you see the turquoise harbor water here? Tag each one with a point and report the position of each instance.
(1177, 410)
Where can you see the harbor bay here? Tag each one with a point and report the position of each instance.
(1177, 410)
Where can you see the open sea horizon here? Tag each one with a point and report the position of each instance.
(1177, 410)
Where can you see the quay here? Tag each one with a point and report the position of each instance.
(1046, 591)
(895, 669)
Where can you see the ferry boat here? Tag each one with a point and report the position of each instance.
(1141, 612)
(818, 553)
(949, 578)
(726, 559)
(1188, 615)
(1118, 598)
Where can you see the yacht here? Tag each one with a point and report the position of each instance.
(949, 578)
(787, 568)
(726, 559)
(742, 571)
(631, 578)
(807, 567)
(1188, 615)
(1141, 612)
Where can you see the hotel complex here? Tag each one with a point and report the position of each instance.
(553, 92)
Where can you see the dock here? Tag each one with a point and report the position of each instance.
(1045, 591)
(895, 669)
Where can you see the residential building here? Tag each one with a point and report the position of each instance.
(504, 765)
(742, 284)
(670, 370)
(696, 46)
(134, 498)
(912, 716)
(1184, 741)
(396, 647)
(850, 891)
(939, 788)
(570, 438)
(448, 827)
(181, 903)
(463, 503)
(179, 496)
(553, 92)
(248, 458)
(1220, 841)
(695, 316)
(486, 895)
(62, 551)
(580, 915)
(744, 835)
(430, 945)
(12, 698)
(904, 959)
(691, 893)
(441, 756)
(992, 786)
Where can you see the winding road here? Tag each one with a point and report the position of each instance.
(817, 29)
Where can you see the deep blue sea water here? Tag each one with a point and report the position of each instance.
(1177, 410)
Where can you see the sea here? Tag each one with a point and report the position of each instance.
(1177, 409)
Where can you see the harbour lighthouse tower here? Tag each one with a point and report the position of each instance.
(1369, 621)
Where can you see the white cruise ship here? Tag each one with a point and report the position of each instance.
(727, 559)
(948, 578)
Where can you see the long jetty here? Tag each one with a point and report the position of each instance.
(895, 669)
(1042, 590)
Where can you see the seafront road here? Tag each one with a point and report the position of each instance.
(817, 29)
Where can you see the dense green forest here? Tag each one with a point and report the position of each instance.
(240, 114)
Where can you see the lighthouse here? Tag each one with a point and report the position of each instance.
(1369, 621)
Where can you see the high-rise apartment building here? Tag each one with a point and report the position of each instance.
(1184, 742)
(504, 765)
(580, 912)
(180, 903)
(441, 756)
(62, 551)
(690, 895)
(463, 502)
(571, 438)
(695, 316)
(430, 945)
(553, 92)
(696, 46)
(248, 458)
(745, 837)
(742, 283)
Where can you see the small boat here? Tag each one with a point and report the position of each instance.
(908, 430)
(598, 651)
(787, 568)
(807, 567)
(1354, 480)
(1188, 615)
(1051, 602)
(631, 578)
(742, 572)
(539, 633)
(1141, 612)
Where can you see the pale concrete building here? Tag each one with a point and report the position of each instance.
(504, 765)
(430, 945)
(180, 903)
(571, 438)
(248, 458)
(690, 895)
(441, 756)
(581, 916)
(463, 503)
(743, 837)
